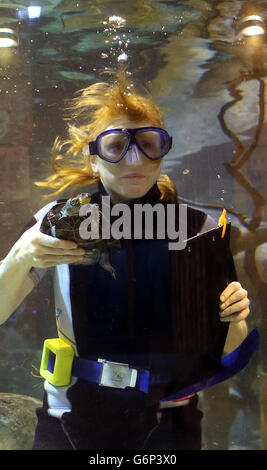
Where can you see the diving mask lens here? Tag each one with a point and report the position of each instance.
(112, 145)
(153, 143)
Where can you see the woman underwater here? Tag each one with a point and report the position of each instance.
(93, 309)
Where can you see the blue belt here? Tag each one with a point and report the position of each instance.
(110, 374)
(231, 364)
(118, 375)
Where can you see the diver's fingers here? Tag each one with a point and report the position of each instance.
(48, 261)
(47, 240)
(33, 236)
(238, 295)
(241, 315)
(234, 304)
(39, 250)
(238, 308)
(229, 290)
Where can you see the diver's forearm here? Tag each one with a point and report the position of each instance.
(236, 334)
(13, 288)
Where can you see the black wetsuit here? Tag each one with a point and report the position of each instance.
(123, 320)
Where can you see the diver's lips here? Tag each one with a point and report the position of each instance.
(134, 175)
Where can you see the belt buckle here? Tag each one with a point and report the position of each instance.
(117, 374)
(58, 372)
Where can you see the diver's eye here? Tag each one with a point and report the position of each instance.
(150, 147)
(146, 144)
(115, 147)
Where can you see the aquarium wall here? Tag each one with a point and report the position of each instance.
(204, 62)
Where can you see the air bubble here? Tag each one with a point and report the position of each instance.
(117, 21)
(122, 56)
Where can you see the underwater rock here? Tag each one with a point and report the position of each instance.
(17, 421)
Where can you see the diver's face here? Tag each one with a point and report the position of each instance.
(131, 177)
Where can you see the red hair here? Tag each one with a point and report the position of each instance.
(96, 107)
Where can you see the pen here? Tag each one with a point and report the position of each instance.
(222, 222)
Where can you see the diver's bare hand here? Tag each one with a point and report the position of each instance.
(39, 250)
(234, 306)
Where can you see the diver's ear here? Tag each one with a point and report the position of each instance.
(92, 158)
(85, 150)
(94, 164)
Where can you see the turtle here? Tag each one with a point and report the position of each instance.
(64, 221)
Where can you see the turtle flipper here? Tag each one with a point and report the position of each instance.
(105, 263)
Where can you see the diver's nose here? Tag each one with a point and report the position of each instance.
(133, 156)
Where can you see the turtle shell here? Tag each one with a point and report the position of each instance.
(70, 221)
